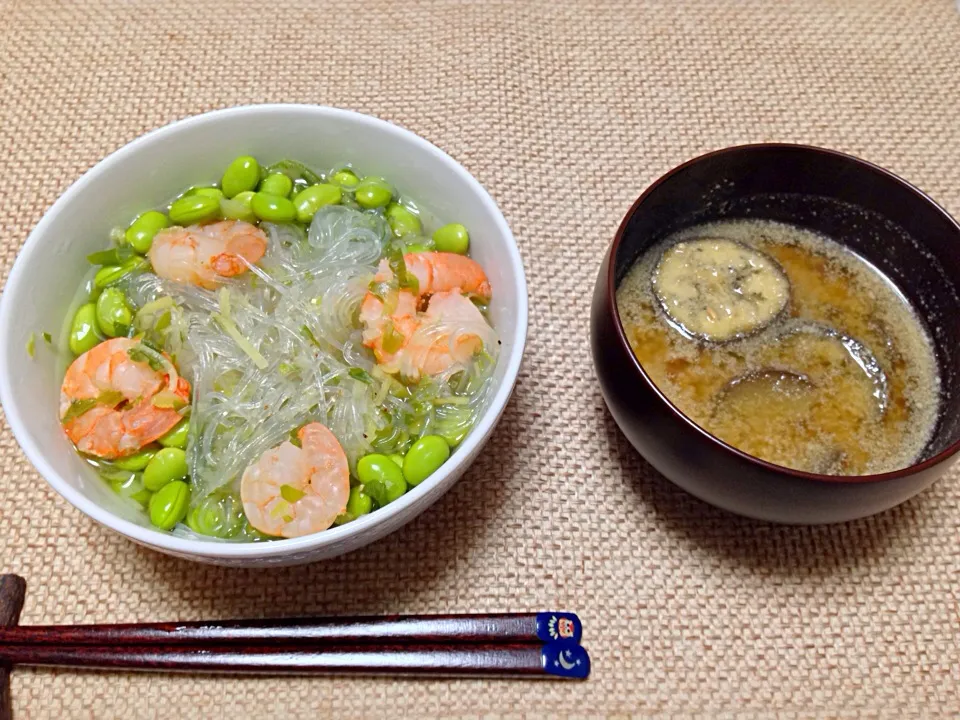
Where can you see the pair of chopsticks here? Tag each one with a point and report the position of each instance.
(544, 645)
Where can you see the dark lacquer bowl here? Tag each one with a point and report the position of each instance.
(884, 219)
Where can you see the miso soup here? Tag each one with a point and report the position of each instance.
(785, 345)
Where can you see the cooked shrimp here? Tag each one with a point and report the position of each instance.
(450, 331)
(106, 401)
(442, 272)
(292, 491)
(387, 334)
(204, 254)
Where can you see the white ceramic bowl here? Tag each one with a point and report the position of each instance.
(150, 170)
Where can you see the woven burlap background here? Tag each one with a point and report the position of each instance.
(565, 112)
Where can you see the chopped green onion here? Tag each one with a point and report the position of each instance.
(308, 334)
(79, 407)
(168, 400)
(392, 340)
(146, 354)
(114, 256)
(234, 332)
(295, 438)
(224, 302)
(290, 493)
(295, 171)
(286, 368)
(451, 400)
(47, 338)
(361, 375)
(279, 509)
(406, 279)
(31, 345)
(110, 397)
(163, 322)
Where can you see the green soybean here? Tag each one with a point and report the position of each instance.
(141, 231)
(169, 505)
(311, 199)
(346, 179)
(242, 175)
(114, 315)
(373, 192)
(273, 208)
(397, 458)
(276, 184)
(382, 479)
(132, 488)
(238, 207)
(402, 220)
(177, 438)
(168, 465)
(359, 503)
(137, 461)
(424, 458)
(213, 192)
(84, 331)
(452, 238)
(191, 209)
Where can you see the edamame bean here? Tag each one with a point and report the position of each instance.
(373, 192)
(402, 220)
(273, 208)
(137, 461)
(452, 238)
(345, 179)
(141, 231)
(111, 274)
(308, 201)
(424, 458)
(177, 438)
(114, 315)
(238, 207)
(213, 192)
(276, 184)
(84, 332)
(359, 503)
(241, 175)
(132, 488)
(397, 458)
(382, 479)
(169, 504)
(168, 465)
(192, 209)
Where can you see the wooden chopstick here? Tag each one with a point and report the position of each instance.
(506, 645)
(556, 660)
(502, 628)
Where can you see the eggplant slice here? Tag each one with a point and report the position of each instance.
(719, 290)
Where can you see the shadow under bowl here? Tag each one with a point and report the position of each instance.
(877, 215)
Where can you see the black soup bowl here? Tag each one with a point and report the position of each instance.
(877, 215)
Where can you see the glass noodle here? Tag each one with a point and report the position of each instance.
(281, 346)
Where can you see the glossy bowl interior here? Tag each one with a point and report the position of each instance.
(880, 217)
(42, 286)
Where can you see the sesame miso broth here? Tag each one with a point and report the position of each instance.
(785, 345)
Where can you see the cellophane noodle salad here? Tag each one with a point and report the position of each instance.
(278, 352)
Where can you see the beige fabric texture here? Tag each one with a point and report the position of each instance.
(565, 112)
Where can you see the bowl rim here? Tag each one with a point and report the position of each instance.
(338, 535)
(719, 444)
